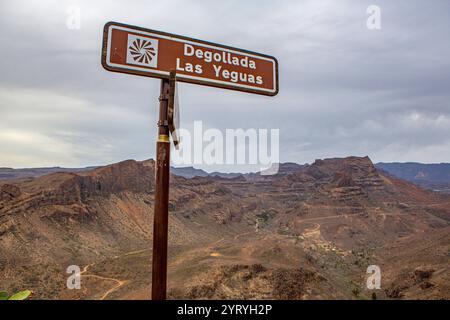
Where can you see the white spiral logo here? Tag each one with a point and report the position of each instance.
(142, 51)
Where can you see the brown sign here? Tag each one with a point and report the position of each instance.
(150, 53)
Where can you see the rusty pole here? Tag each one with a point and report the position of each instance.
(161, 213)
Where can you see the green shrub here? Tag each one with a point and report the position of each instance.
(22, 295)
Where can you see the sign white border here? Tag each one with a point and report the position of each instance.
(167, 73)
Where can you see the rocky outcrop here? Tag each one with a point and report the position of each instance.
(347, 172)
(251, 282)
(8, 192)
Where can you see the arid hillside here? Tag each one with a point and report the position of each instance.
(307, 233)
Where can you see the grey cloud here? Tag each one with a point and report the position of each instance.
(344, 90)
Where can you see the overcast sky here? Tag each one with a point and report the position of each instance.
(344, 89)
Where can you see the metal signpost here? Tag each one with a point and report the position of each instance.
(172, 58)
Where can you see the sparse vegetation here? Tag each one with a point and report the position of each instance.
(266, 215)
(356, 292)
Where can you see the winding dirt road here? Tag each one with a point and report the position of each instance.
(119, 283)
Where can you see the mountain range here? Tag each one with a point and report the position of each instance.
(309, 232)
(433, 176)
